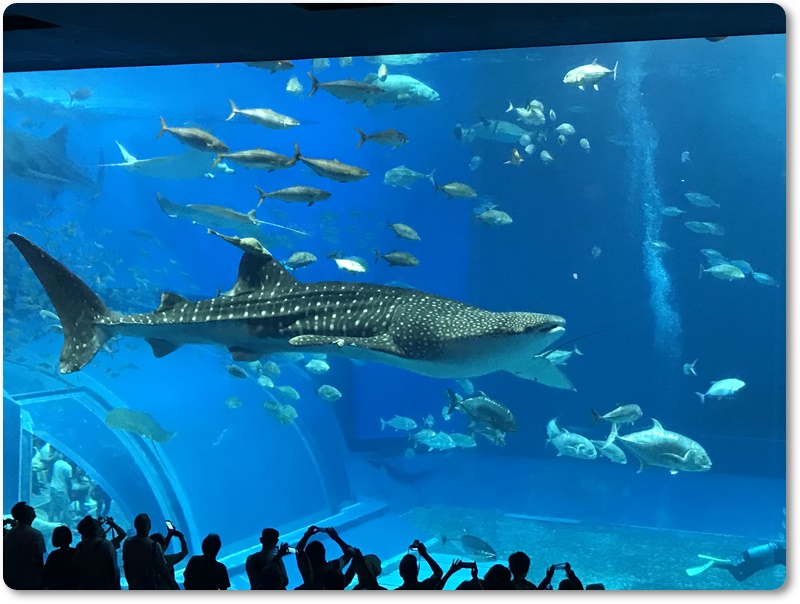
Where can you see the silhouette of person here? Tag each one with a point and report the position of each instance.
(143, 559)
(269, 554)
(367, 568)
(497, 577)
(316, 556)
(23, 550)
(409, 569)
(755, 559)
(60, 491)
(96, 557)
(102, 498)
(172, 559)
(205, 571)
(519, 564)
(60, 569)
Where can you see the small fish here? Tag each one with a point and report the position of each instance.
(388, 138)
(456, 190)
(317, 367)
(658, 246)
(671, 211)
(295, 194)
(596, 251)
(494, 218)
(624, 414)
(236, 371)
(530, 149)
(293, 86)
(685, 157)
(589, 75)
(137, 422)
(271, 66)
(722, 389)
(264, 117)
(566, 129)
(688, 368)
(428, 421)
(399, 423)
(318, 65)
(701, 200)
(401, 176)
(726, 272)
(194, 137)
(81, 94)
(46, 314)
(546, 157)
(475, 163)
(233, 402)
(395, 258)
(515, 159)
(328, 393)
(383, 71)
(765, 279)
(350, 266)
(299, 260)
(584, 143)
(404, 231)
(552, 115)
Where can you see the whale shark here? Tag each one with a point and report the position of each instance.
(269, 311)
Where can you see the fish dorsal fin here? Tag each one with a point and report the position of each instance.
(59, 138)
(169, 301)
(657, 425)
(261, 272)
(594, 62)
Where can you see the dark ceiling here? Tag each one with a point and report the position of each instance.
(70, 36)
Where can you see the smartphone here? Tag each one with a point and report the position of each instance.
(471, 565)
(292, 550)
(170, 526)
(560, 566)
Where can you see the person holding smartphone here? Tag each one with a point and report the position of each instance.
(571, 581)
(409, 569)
(270, 554)
(143, 559)
(172, 559)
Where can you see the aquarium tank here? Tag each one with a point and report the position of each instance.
(494, 301)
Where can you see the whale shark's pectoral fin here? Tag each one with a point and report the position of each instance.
(540, 369)
(382, 343)
(243, 354)
(161, 348)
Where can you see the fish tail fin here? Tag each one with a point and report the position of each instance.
(234, 110)
(296, 155)
(453, 397)
(314, 84)
(595, 417)
(363, 137)
(435, 186)
(163, 128)
(702, 270)
(615, 70)
(383, 422)
(217, 160)
(578, 352)
(77, 306)
(261, 195)
(510, 107)
(377, 255)
(612, 436)
(702, 397)
(430, 178)
(71, 97)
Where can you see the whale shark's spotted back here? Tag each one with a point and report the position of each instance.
(268, 310)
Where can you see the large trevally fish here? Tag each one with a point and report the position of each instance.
(268, 311)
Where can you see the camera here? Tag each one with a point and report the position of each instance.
(101, 519)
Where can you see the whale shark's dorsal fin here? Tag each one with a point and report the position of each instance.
(261, 272)
(169, 301)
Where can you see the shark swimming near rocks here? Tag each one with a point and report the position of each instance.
(44, 162)
(269, 311)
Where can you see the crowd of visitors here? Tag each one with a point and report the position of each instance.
(92, 563)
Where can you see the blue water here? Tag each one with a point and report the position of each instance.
(639, 315)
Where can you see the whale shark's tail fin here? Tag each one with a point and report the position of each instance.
(76, 304)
